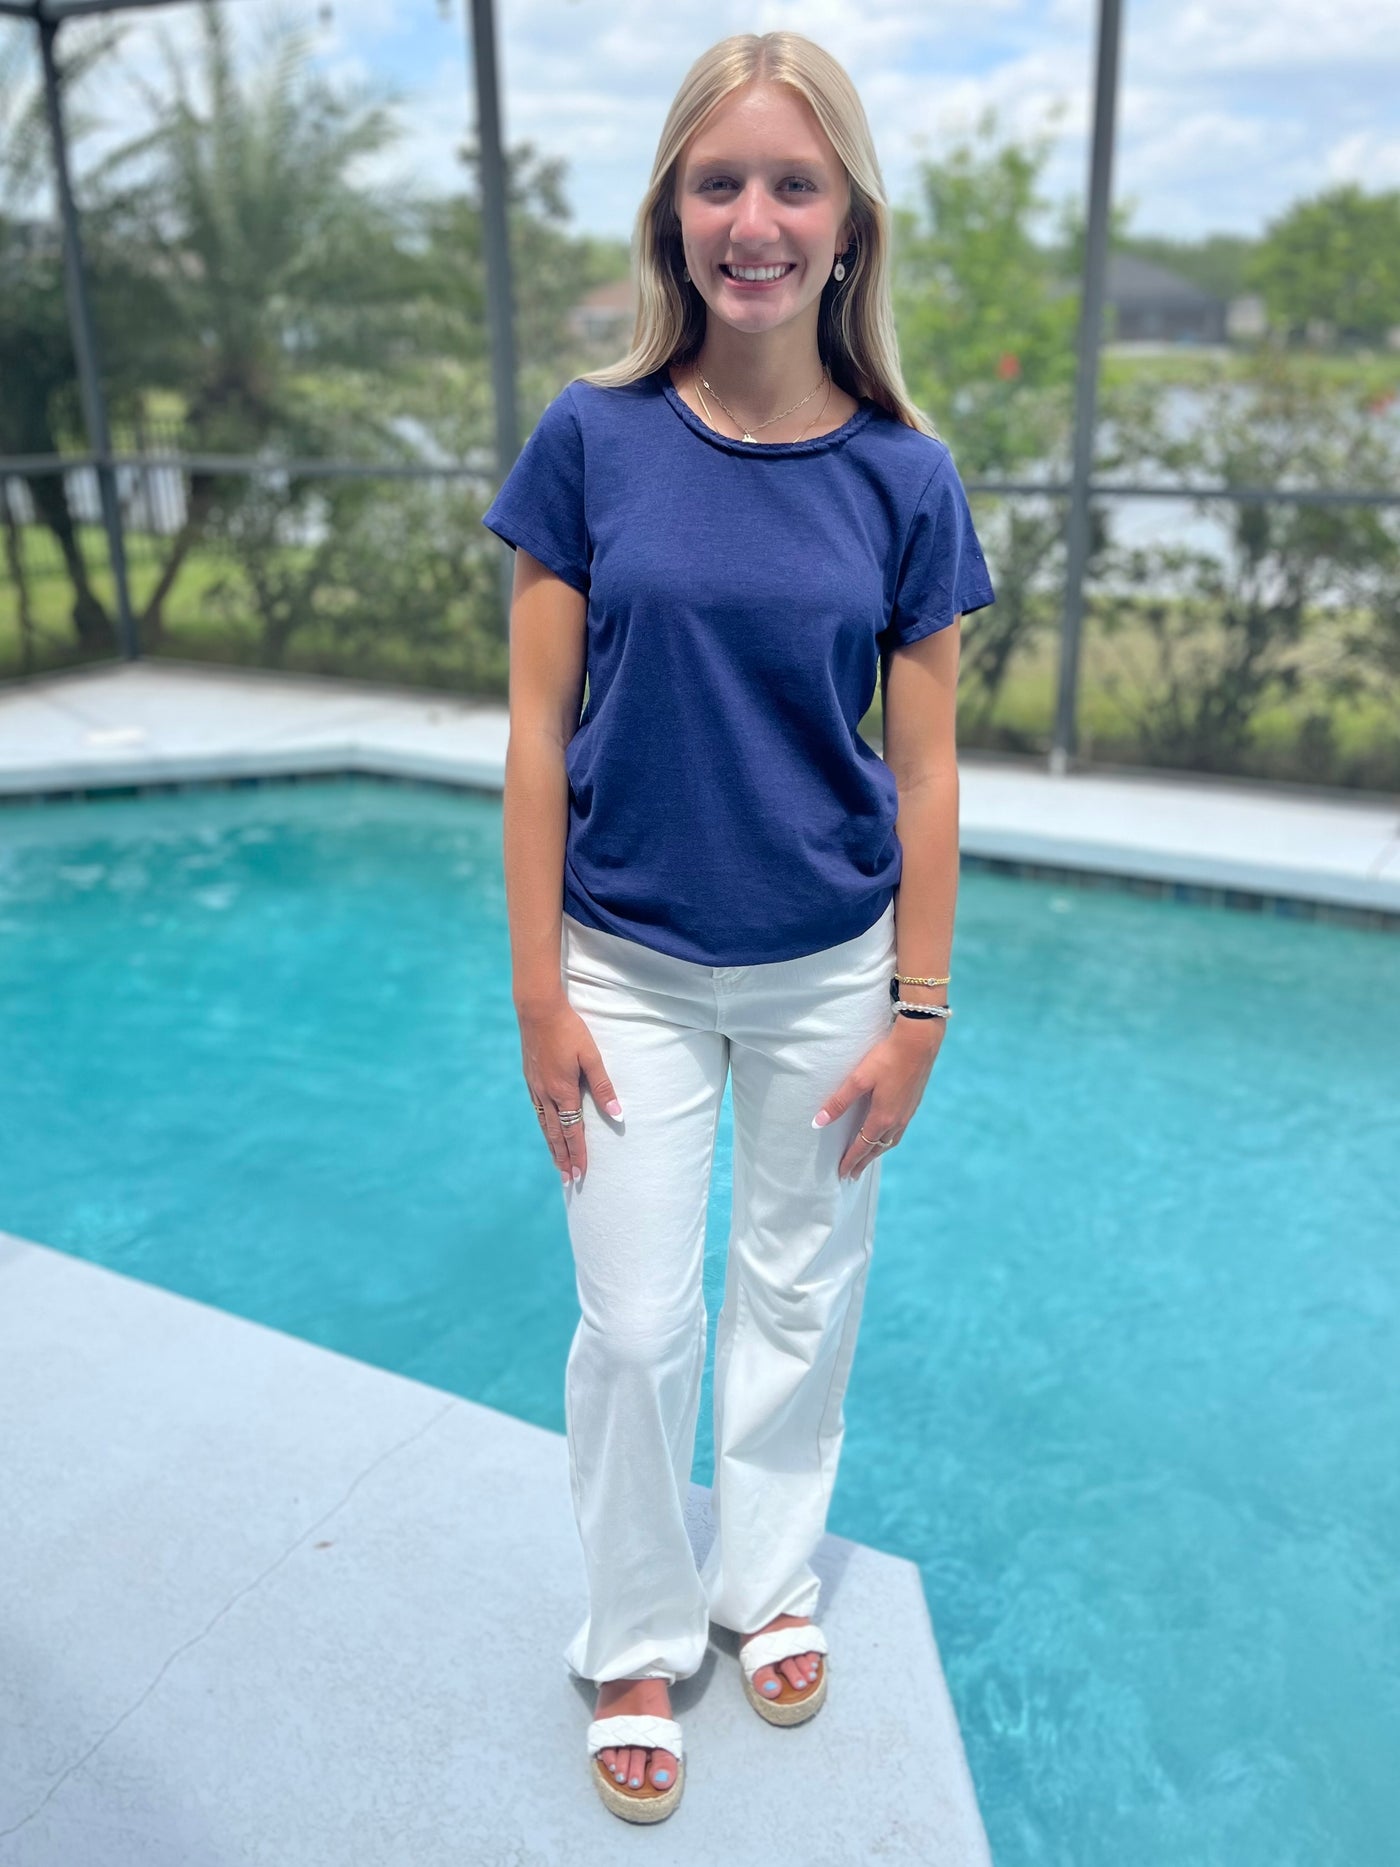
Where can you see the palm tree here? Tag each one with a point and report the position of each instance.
(273, 269)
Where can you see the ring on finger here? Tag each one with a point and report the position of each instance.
(869, 1143)
(567, 1117)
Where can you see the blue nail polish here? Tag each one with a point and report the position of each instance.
(771, 1686)
(662, 1776)
(635, 1783)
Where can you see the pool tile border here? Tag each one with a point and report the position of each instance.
(1203, 894)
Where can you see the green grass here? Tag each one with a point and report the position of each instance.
(1364, 373)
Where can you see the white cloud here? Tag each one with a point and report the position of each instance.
(1228, 108)
(1253, 37)
(1365, 156)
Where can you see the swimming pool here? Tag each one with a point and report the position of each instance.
(1126, 1387)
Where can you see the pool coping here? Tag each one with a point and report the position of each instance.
(159, 725)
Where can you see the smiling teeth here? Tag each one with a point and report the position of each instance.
(755, 272)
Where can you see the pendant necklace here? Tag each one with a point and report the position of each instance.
(747, 434)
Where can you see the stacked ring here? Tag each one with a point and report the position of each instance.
(567, 1117)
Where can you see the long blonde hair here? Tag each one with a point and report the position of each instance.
(855, 324)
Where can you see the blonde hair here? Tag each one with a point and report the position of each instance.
(855, 324)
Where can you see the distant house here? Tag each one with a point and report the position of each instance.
(605, 315)
(1149, 304)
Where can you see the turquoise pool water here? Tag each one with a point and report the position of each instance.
(1128, 1385)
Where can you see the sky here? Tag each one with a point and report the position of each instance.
(1228, 109)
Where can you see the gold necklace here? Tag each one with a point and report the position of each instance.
(821, 411)
(748, 437)
(748, 434)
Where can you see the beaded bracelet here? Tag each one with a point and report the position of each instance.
(901, 1009)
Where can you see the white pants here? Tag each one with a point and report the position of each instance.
(669, 1030)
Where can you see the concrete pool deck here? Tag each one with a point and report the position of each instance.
(156, 722)
(263, 1602)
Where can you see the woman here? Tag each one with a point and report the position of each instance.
(731, 532)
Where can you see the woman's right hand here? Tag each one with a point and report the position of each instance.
(556, 1049)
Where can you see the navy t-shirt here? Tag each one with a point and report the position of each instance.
(722, 805)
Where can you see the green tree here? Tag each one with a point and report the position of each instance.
(985, 322)
(551, 269)
(1334, 261)
(987, 340)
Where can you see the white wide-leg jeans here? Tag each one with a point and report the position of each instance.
(669, 1030)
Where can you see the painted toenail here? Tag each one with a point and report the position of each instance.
(771, 1685)
(634, 1782)
(662, 1776)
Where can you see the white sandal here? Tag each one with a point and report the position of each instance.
(641, 1730)
(792, 1704)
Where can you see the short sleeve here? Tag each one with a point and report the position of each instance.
(942, 572)
(540, 502)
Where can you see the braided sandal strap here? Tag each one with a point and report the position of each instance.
(643, 1729)
(783, 1643)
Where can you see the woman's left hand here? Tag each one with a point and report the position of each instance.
(893, 1074)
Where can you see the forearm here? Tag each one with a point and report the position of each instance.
(535, 828)
(926, 898)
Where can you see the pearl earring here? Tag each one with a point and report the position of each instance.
(840, 272)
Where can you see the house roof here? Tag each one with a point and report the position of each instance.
(1133, 281)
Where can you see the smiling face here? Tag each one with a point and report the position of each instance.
(759, 187)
